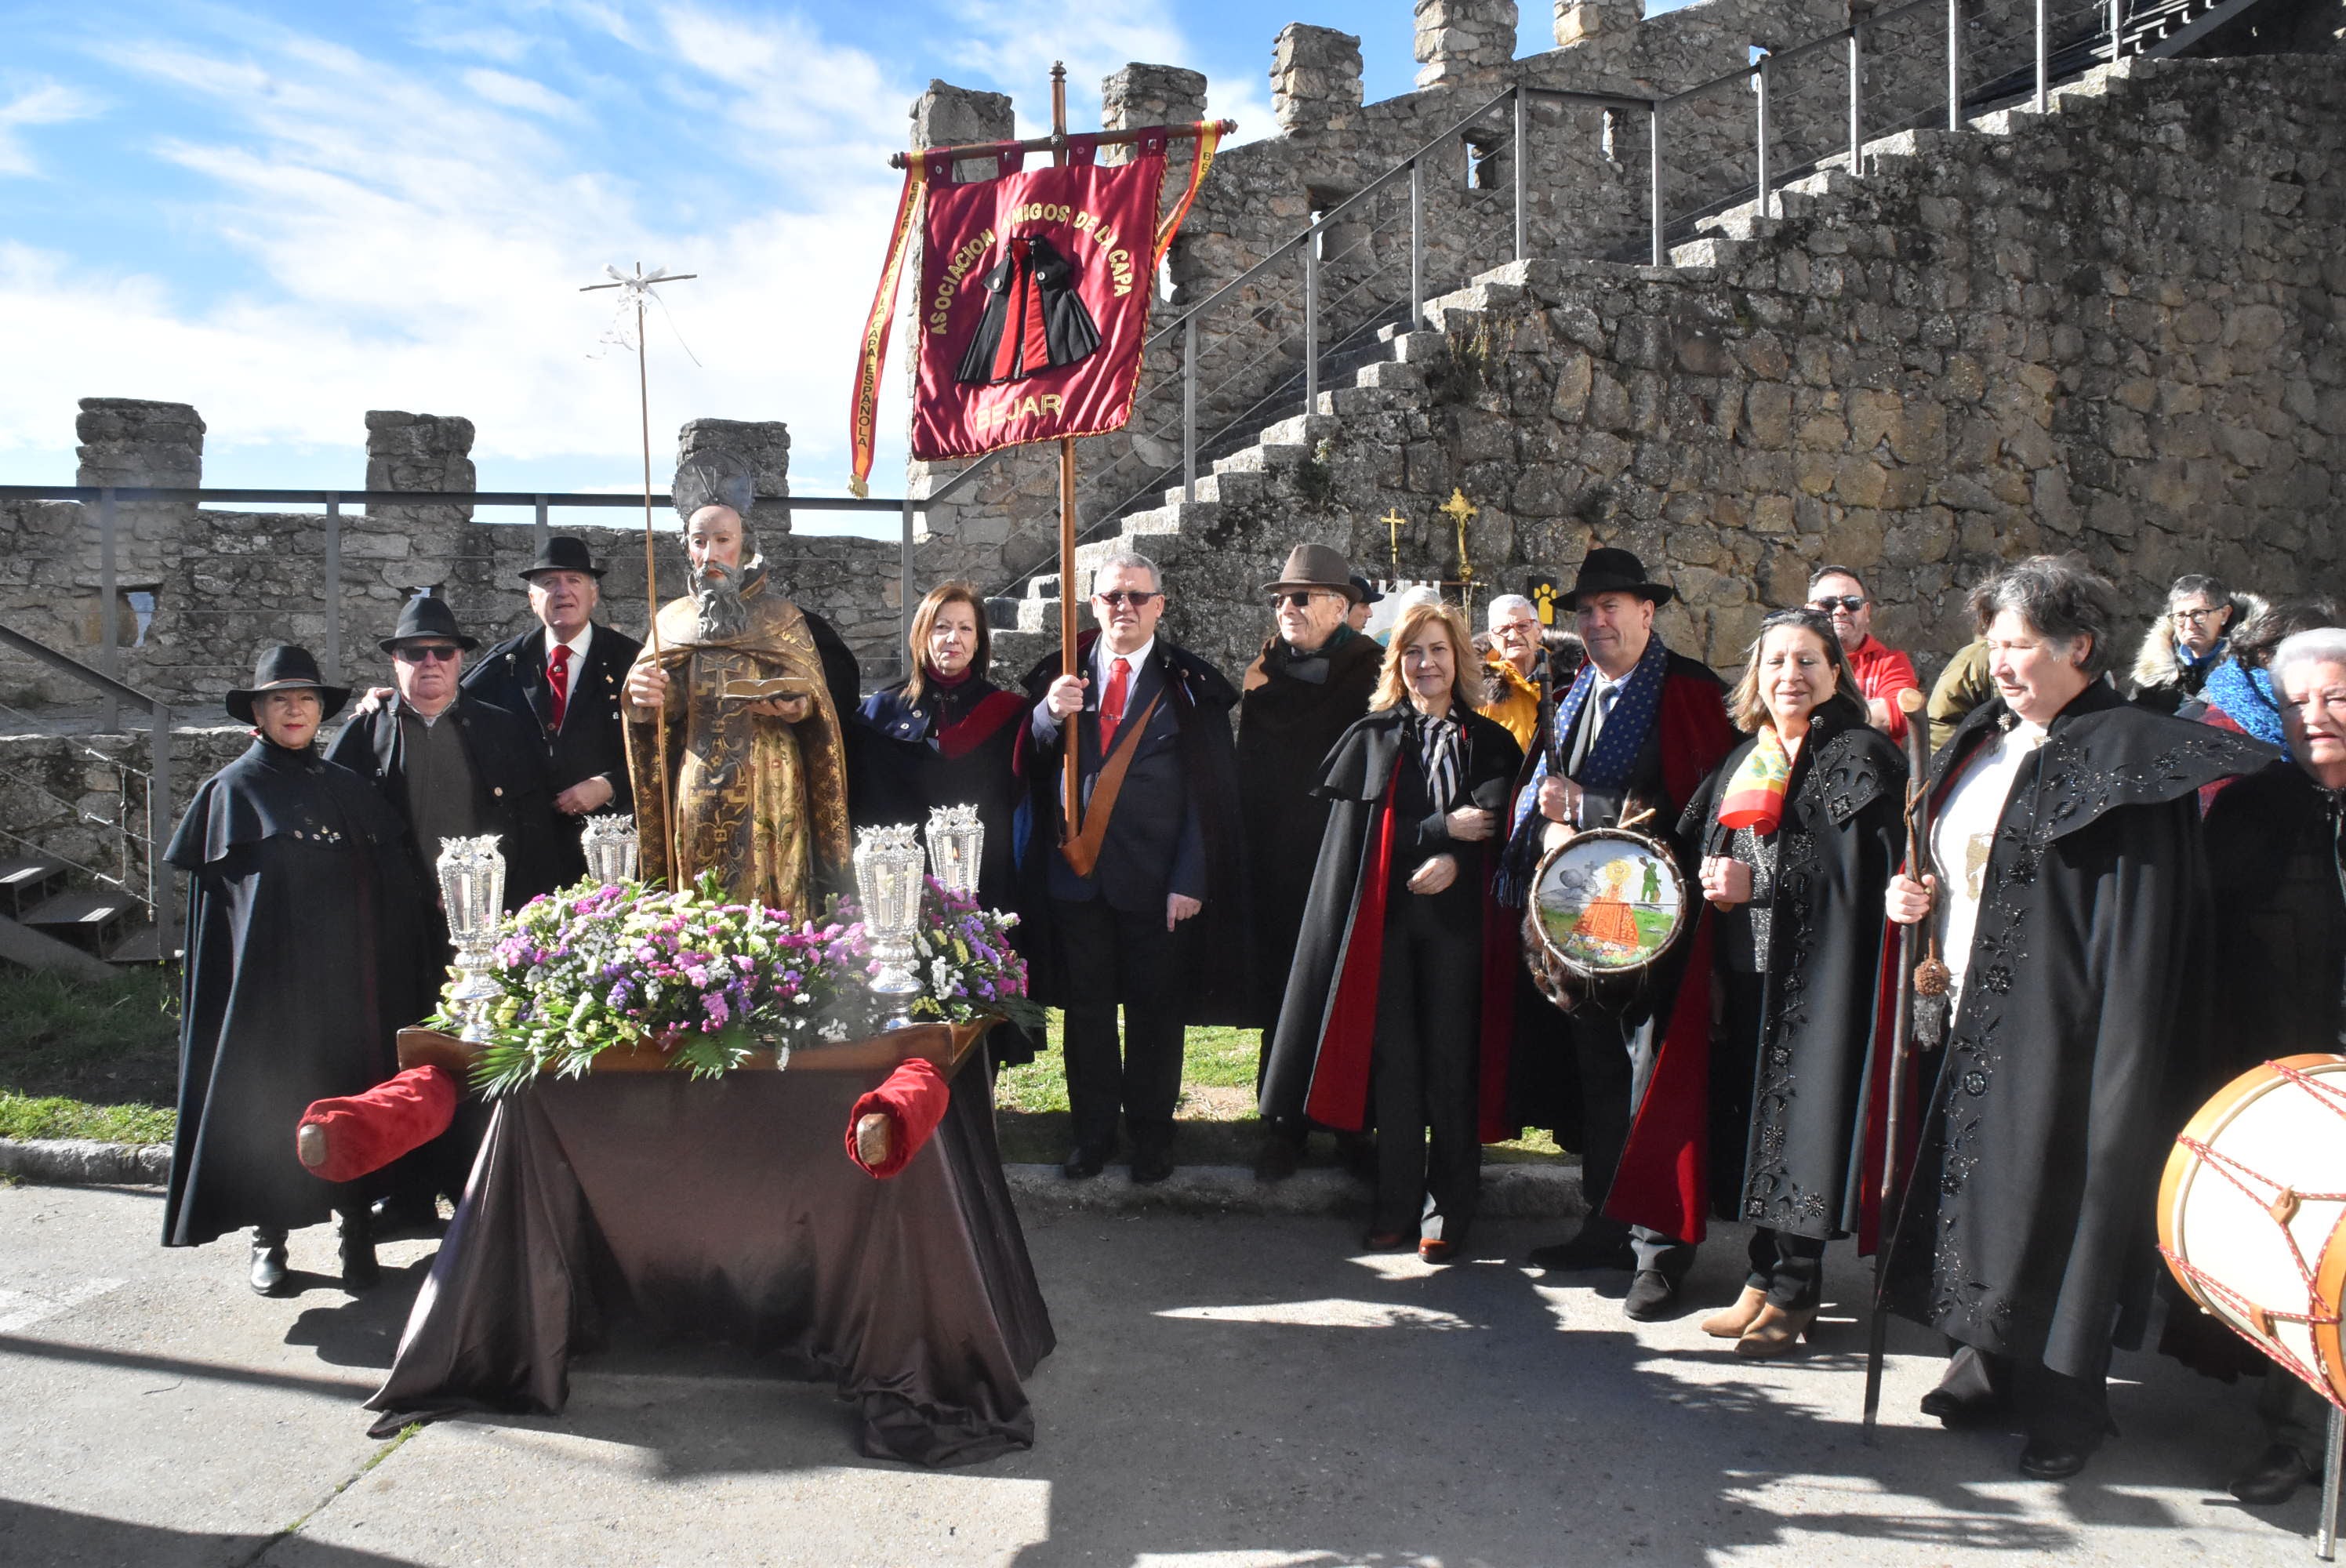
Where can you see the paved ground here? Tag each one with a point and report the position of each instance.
(1226, 1391)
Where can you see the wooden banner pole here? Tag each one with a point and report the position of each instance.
(1071, 818)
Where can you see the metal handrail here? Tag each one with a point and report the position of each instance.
(159, 781)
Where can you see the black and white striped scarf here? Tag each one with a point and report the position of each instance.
(1440, 742)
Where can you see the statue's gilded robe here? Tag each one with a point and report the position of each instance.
(759, 802)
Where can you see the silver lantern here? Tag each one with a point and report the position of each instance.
(609, 843)
(888, 875)
(956, 840)
(473, 893)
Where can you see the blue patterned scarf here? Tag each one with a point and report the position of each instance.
(1607, 766)
(2246, 696)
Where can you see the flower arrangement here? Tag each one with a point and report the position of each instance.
(709, 984)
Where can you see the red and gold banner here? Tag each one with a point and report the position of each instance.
(1034, 298)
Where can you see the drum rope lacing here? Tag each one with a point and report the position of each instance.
(2280, 1205)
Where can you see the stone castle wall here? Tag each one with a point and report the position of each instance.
(223, 584)
(2120, 329)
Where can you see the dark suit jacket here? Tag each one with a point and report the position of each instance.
(1155, 844)
(509, 779)
(593, 736)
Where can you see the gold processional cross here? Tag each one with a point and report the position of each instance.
(1460, 511)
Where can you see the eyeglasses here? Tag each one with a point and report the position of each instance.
(1853, 603)
(2195, 616)
(1136, 597)
(411, 654)
(1300, 597)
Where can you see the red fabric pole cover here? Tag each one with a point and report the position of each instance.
(914, 1096)
(364, 1133)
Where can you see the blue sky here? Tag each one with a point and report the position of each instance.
(286, 214)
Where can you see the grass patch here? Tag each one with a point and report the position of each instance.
(57, 1116)
(89, 1059)
(1215, 1124)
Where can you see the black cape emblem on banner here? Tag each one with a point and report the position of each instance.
(1035, 321)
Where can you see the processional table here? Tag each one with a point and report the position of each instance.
(727, 1210)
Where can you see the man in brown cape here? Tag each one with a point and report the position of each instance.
(752, 784)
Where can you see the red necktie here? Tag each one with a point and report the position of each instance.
(1119, 684)
(557, 680)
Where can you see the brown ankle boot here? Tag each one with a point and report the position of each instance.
(1730, 1323)
(1774, 1332)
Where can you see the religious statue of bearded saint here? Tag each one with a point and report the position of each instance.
(753, 781)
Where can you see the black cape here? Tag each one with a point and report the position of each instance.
(2027, 1228)
(1031, 289)
(2277, 954)
(1354, 782)
(1215, 947)
(1291, 716)
(301, 911)
(955, 745)
(1802, 1169)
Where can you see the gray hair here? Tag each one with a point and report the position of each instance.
(2061, 597)
(1508, 607)
(1129, 561)
(2199, 585)
(2323, 644)
(1830, 570)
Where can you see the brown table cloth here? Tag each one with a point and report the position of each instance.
(725, 1209)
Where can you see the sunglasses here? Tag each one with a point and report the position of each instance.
(1136, 597)
(412, 655)
(1853, 603)
(1300, 597)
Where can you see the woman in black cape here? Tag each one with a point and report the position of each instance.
(1386, 1003)
(2069, 897)
(302, 919)
(1800, 827)
(947, 736)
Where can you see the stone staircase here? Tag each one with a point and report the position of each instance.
(1396, 372)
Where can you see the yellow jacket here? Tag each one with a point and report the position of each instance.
(1514, 702)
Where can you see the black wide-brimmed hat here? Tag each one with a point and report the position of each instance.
(562, 552)
(1611, 571)
(286, 669)
(1314, 566)
(427, 616)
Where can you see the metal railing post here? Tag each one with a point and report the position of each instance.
(1763, 135)
(1416, 244)
(2044, 62)
(1857, 99)
(333, 588)
(1521, 119)
(108, 635)
(1190, 408)
(1311, 324)
(1954, 65)
(1654, 180)
(539, 528)
(904, 595)
(2117, 25)
(159, 831)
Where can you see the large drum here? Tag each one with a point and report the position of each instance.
(2252, 1213)
(1606, 907)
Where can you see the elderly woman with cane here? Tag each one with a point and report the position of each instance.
(2067, 894)
(1801, 828)
(1385, 1005)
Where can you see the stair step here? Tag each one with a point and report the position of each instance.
(1306, 429)
(1421, 347)
(1263, 457)
(141, 943)
(84, 917)
(27, 880)
(1713, 252)
(1390, 375)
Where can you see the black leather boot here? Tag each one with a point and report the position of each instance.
(359, 1271)
(269, 1262)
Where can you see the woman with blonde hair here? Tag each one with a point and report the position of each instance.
(1383, 1019)
(947, 736)
(1800, 832)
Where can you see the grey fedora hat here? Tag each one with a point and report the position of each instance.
(1315, 566)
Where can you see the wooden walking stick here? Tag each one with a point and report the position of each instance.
(1920, 973)
(636, 287)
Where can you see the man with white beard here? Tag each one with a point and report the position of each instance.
(749, 771)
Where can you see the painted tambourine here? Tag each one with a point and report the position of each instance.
(1606, 906)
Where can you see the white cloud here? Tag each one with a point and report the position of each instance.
(509, 91)
(48, 103)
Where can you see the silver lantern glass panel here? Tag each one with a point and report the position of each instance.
(957, 847)
(888, 876)
(608, 842)
(473, 893)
